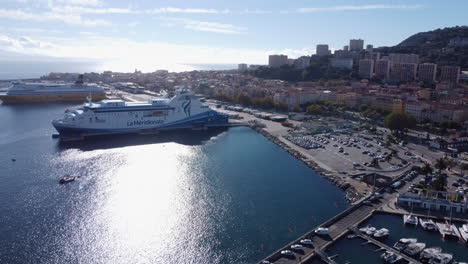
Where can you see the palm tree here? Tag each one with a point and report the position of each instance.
(440, 164)
(426, 169)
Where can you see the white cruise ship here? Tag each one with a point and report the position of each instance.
(23, 92)
(178, 111)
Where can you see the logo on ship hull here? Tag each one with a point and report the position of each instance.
(186, 105)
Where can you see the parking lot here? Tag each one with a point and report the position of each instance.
(349, 153)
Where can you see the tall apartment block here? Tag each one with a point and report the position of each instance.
(277, 60)
(450, 74)
(366, 68)
(382, 69)
(427, 72)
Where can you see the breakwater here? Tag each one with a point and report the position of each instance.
(351, 194)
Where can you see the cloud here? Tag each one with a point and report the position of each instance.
(88, 10)
(78, 2)
(256, 11)
(23, 43)
(165, 10)
(351, 8)
(18, 14)
(214, 27)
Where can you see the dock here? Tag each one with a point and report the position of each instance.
(383, 246)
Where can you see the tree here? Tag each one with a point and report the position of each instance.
(399, 121)
(440, 183)
(426, 169)
(314, 110)
(244, 100)
(440, 164)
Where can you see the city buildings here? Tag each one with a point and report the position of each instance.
(450, 74)
(242, 67)
(343, 63)
(366, 68)
(322, 50)
(277, 60)
(427, 72)
(403, 72)
(302, 62)
(369, 47)
(403, 58)
(382, 69)
(356, 44)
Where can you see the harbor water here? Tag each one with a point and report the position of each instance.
(353, 250)
(222, 196)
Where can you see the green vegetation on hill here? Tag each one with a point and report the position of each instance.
(433, 46)
(319, 69)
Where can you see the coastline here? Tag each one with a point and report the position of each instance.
(350, 193)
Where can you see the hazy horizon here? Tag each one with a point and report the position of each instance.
(153, 35)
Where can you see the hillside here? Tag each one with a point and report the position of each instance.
(448, 46)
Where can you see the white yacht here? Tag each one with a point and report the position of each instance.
(414, 248)
(410, 219)
(441, 258)
(428, 224)
(404, 242)
(464, 232)
(390, 257)
(381, 233)
(428, 253)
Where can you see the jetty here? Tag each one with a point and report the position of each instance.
(383, 246)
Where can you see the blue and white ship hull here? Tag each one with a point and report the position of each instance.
(181, 111)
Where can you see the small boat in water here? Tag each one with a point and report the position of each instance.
(447, 230)
(67, 179)
(428, 224)
(410, 219)
(464, 232)
(428, 253)
(441, 258)
(390, 257)
(368, 230)
(381, 233)
(414, 248)
(404, 242)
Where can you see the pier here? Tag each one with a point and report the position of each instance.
(383, 246)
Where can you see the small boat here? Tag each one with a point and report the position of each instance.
(306, 241)
(402, 243)
(464, 232)
(390, 257)
(414, 248)
(67, 179)
(441, 258)
(428, 224)
(322, 231)
(381, 233)
(410, 219)
(447, 230)
(428, 253)
(364, 229)
(297, 247)
(371, 231)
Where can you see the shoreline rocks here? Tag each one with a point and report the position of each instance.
(350, 193)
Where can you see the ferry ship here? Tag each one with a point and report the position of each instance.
(22, 92)
(179, 110)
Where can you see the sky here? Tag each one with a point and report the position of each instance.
(152, 32)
